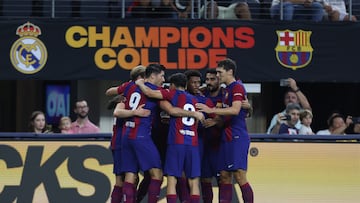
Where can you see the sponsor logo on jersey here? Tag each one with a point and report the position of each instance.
(294, 48)
(28, 54)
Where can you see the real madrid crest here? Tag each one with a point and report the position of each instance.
(28, 54)
(294, 48)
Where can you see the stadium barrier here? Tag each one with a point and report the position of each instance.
(78, 168)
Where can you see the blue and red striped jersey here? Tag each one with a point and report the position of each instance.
(182, 130)
(235, 125)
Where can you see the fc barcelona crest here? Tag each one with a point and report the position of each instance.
(294, 48)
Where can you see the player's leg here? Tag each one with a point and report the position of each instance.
(129, 188)
(206, 190)
(171, 189)
(246, 190)
(194, 190)
(241, 162)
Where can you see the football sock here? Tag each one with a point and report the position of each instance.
(195, 199)
(207, 192)
(154, 191)
(225, 193)
(171, 198)
(247, 193)
(129, 192)
(116, 194)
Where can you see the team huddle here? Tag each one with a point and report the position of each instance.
(190, 134)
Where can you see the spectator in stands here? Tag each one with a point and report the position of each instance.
(337, 125)
(286, 122)
(356, 122)
(336, 10)
(37, 122)
(293, 95)
(152, 9)
(183, 8)
(65, 125)
(306, 120)
(237, 10)
(82, 123)
(297, 10)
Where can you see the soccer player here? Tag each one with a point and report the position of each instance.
(233, 157)
(207, 154)
(182, 138)
(117, 104)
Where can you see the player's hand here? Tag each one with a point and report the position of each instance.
(209, 123)
(141, 112)
(203, 108)
(139, 81)
(245, 104)
(199, 116)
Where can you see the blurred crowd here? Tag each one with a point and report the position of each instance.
(312, 10)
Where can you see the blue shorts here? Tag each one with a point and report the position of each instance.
(209, 163)
(233, 155)
(181, 158)
(117, 161)
(139, 154)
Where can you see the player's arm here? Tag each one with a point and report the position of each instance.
(178, 112)
(121, 112)
(148, 91)
(111, 91)
(233, 110)
(216, 121)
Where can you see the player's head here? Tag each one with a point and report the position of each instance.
(193, 81)
(211, 80)
(155, 74)
(138, 71)
(178, 80)
(226, 70)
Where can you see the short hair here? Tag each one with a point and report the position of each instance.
(178, 79)
(292, 106)
(211, 71)
(331, 119)
(192, 73)
(228, 64)
(137, 71)
(154, 68)
(304, 113)
(64, 118)
(114, 101)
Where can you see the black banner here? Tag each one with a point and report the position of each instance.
(68, 49)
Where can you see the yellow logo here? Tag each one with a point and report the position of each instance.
(294, 48)
(28, 54)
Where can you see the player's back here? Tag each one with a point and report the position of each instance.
(139, 127)
(183, 130)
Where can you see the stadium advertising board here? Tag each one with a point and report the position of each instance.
(94, 49)
(81, 171)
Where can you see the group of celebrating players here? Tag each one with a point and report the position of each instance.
(189, 133)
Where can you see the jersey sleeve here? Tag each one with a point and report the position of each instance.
(238, 93)
(122, 87)
(167, 94)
